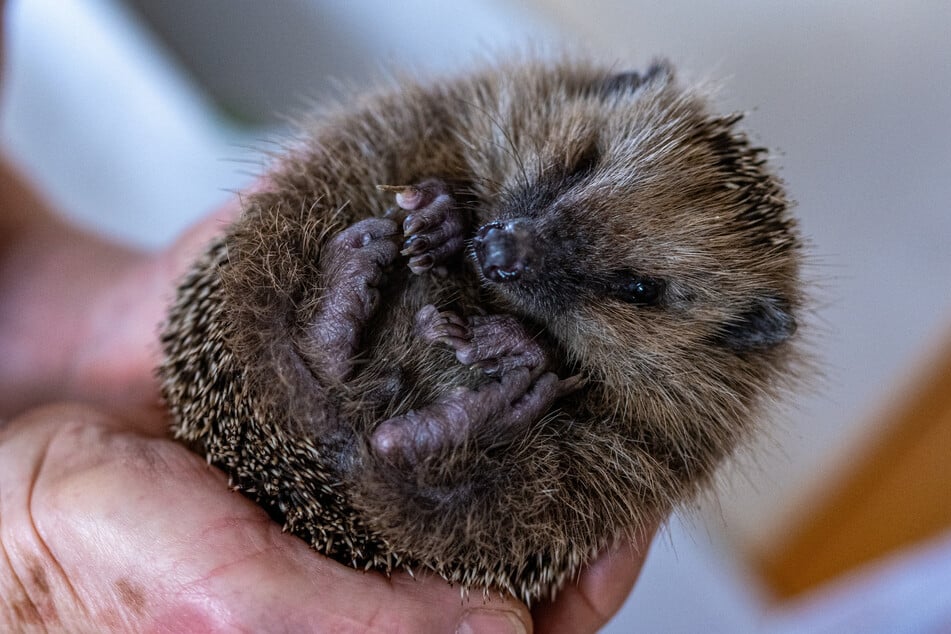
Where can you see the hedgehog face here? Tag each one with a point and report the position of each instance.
(648, 236)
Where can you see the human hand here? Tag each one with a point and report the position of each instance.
(78, 314)
(126, 530)
(105, 528)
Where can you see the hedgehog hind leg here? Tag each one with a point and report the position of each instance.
(303, 372)
(437, 481)
(522, 392)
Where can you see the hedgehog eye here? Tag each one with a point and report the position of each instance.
(642, 291)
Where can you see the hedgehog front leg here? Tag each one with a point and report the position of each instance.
(434, 227)
(352, 263)
(522, 392)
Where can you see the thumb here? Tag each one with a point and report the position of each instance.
(189, 246)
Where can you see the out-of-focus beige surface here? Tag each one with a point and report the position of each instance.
(894, 493)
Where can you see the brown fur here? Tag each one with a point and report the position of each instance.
(673, 190)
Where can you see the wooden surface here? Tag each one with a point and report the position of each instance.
(895, 493)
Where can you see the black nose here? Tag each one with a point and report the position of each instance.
(506, 250)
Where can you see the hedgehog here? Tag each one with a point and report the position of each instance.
(485, 325)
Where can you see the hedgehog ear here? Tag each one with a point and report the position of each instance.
(629, 81)
(767, 323)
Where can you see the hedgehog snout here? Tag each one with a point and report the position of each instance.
(507, 250)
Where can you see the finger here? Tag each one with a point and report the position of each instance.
(589, 603)
(119, 363)
(180, 255)
(101, 499)
(118, 350)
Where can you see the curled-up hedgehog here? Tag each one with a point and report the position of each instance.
(486, 325)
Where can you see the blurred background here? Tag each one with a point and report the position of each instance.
(139, 116)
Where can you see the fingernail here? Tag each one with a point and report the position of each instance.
(482, 621)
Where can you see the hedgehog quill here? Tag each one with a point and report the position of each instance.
(485, 325)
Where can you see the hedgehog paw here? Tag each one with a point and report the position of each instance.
(495, 344)
(494, 411)
(433, 228)
(352, 263)
(521, 393)
(441, 326)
